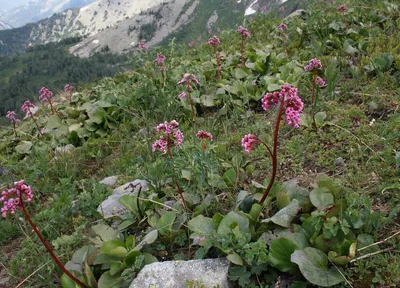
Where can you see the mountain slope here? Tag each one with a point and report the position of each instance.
(36, 10)
(4, 26)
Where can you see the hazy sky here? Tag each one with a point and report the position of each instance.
(8, 4)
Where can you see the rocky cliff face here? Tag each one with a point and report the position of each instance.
(4, 26)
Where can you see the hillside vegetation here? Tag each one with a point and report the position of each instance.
(318, 208)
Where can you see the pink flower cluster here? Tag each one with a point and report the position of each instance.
(191, 44)
(11, 115)
(293, 104)
(321, 82)
(160, 59)
(11, 197)
(210, 31)
(282, 27)
(45, 94)
(213, 41)
(142, 46)
(342, 8)
(249, 141)
(26, 107)
(173, 134)
(68, 88)
(245, 33)
(313, 65)
(199, 38)
(188, 79)
(204, 135)
(182, 95)
(282, 9)
(264, 9)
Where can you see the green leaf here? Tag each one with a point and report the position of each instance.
(91, 280)
(54, 122)
(97, 115)
(282, 199)
(105, 232)
(273, 87)
(279, 254)
(232, 220)
(298, 238)
(305, 120)
(235, 258)
(285, 216)
(230, 177)
(130, 203)
(130, 242)
(131, 257)
(165, 223)
(67, 282)
(114, 248)
(240, 73)
(320, 118)
(313, 264)
(148, 239)
(24, 147)
(74, 127)
(201, 225)
(321, 198)
(107, 280)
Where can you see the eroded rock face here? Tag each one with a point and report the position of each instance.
(176, 274)
(111, 206)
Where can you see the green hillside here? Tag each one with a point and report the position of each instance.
(318, 208)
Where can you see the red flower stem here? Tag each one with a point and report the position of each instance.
(192, 106)
(313, 96)
(176, 182)
(345, 21)
(53, 109)
(58, 262)
(242, 50)
(70, 98)
(37, 126)
(15, 129)
(284, 44)
(218, 64)
(266, 146)
(274, 154)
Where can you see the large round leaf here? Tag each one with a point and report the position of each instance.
(280, 252)
(232, 219)
(313, 264)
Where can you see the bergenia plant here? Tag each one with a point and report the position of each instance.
(26, 107)
(45, 96)
(68, 89)
(160, 60)
(11, 116)
(14, 199)
(142, 46)
(313, 66)
(321, 82)
(283, 28)
(245, 34)
(172, 137)
(282, 9)
(290, 105)
(343, 8)
(203, 136)
(188, 80)
(214, 42)
(191, 44)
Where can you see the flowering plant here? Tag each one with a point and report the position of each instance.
(68, 89)
(188, 80)
(283, 28)
(26, 107)
(245, 34)
(214, 42)
(11, 115)
(45, 95)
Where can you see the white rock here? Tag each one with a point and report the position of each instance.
(109, 181)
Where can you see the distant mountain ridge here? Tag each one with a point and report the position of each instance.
(4, 26)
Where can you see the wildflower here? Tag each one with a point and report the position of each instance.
(11, 115)
(292, 103)
(210, 31)
(321, 82)
(142, 46)
(218, 30)
(26, 107)
(264, 9)
(204, 135)
(213, 41)
(45, 94)
(282, 27)
(172, 136)
(68, 88)
(245, 33)
(282, 9)
(160, 58)
(394, 103)
(313, 65)
(182, 95)
(249, 141)
(188, 79)
(342, 8)
(191, 44)
(160, 144)
(11, 197)
(199, 38)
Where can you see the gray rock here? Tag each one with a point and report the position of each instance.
(64, 149)
(175, 274)
(111, 207)
(296, 13)
(109, 181)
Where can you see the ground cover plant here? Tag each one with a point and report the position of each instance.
(279, 151)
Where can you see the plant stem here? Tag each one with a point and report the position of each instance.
(192, 106)
(15, 129)
(218, 64)
(345, 21)
(34, 120)
(53, 109)
(284, 44)
(313, 97)
(58, 262)
(274, 153)
(242, 50)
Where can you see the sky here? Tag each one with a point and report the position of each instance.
(8, 4)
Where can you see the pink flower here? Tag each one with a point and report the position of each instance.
(160, 144)
(313, 65)
(178, 135)
(342, 8)
(213, 41)
(191, 44)
(204, 135)
(264, 9)
(142, 46)
(11, 198)
(27, 105)
(45, 94)
(166, 127)
(282, 9)
(160, 59)
(282, 27)
(68, 88)
(394, 103)
(245, 33)
(182, 96)
(321, 82)
(249, 141)
(218, 29)
(210, 31)
(293, 104)
(188, 79)
(199, 38)
(11, 115)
